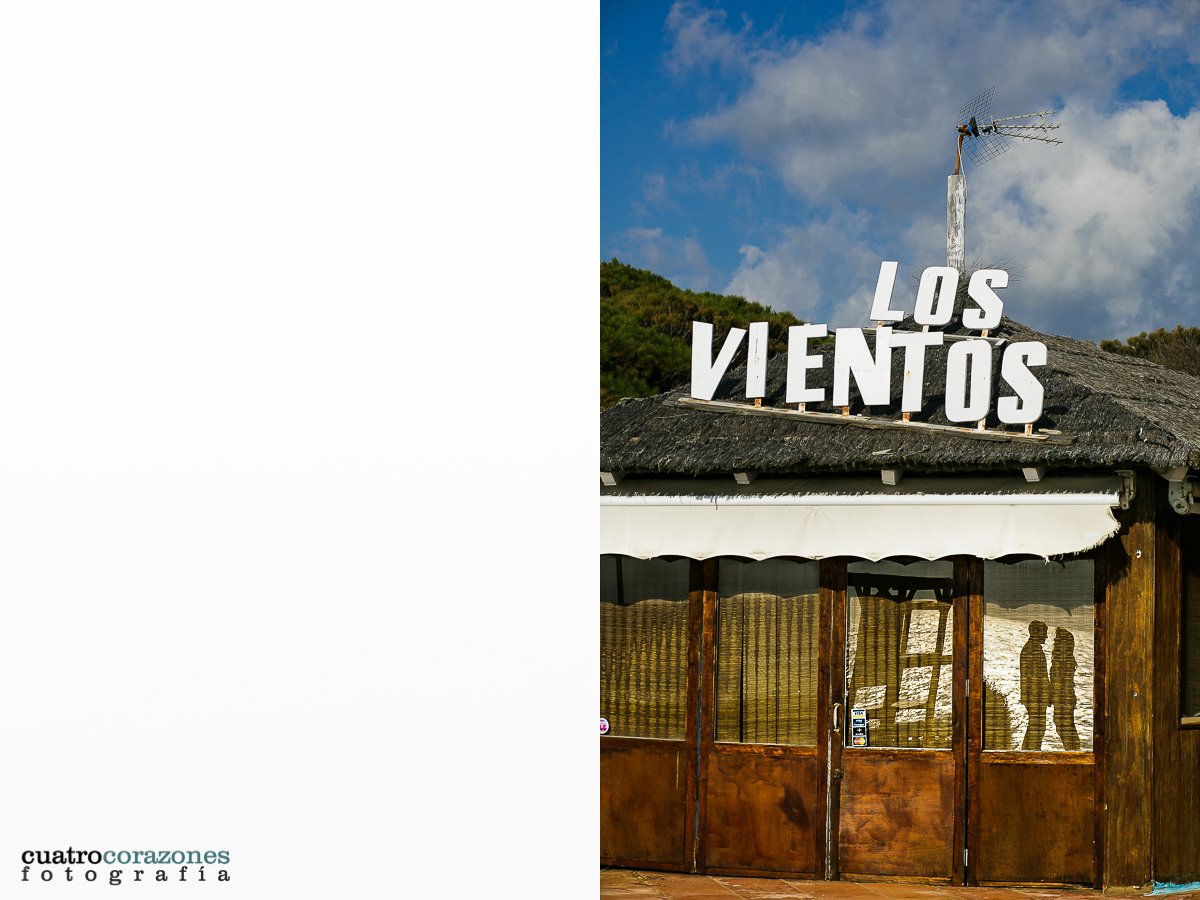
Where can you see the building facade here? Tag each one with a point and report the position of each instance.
(857, 644)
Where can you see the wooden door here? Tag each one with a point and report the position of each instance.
(762, 790)
(898, 748)
(1036, 800)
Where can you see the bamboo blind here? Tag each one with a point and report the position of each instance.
(767, 633)
(643, 646)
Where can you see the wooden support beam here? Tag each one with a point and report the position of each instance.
(1045, 436)
(610, 479)
(891, 477)
(1034, 474)
(744, 477)
(1129, 694)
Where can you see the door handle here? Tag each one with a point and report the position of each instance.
(837, 718)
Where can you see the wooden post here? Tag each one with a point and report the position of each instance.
(956, 222)
(1129, 692)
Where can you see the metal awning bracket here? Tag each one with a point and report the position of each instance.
(1180, 494)
(1128, 488)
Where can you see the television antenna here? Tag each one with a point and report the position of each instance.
(989, 136)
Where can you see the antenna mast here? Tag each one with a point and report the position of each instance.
(985, 137)
(975, 121)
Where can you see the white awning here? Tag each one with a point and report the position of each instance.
(929, 518)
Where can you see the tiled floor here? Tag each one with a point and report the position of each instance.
(621, 883)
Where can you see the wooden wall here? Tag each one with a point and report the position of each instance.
(1152, 790)
(1176, 793)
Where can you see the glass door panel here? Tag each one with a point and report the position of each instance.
(900, 655)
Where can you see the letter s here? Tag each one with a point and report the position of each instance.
(1026, 406)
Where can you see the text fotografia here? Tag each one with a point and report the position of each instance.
(149, 865)
(969, 388)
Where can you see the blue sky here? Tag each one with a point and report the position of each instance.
(782, 150)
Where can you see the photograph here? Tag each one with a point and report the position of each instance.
(899, 447)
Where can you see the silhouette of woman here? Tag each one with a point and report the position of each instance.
(1035, 686)
(1062, 687)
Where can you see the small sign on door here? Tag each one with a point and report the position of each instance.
(858, 727)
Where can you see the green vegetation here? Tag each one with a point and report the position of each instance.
(1177, 349)
(646, 330)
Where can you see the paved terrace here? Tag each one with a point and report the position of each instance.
(630, 883)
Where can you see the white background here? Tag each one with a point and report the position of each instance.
(298, 437)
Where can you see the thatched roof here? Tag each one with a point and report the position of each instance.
(1111, 412)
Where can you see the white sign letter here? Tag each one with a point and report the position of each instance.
(799, 362)
(914, 344)
(756, 366)
(1027, 405)
(940, 284)
(990, 305)
(881, 310)
(706, 374)
(963, 403)
(873, 374)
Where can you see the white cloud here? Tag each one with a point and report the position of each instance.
(700, 40)
(816, 272)
(865, 116)
(680, 260)
(1104, 224)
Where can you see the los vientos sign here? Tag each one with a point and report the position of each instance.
(969, 388)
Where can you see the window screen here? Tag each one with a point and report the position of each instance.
(767, 627)
(643, 646)
(900, 654)
(1038, 653)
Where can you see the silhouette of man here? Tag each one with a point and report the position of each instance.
(1035, 685)
(1062, 687)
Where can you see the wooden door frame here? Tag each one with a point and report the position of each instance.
(685, 745)
(702, 711)
(832, 662)
(833, 596)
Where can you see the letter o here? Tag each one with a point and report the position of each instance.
(940, 283)
(968, 401)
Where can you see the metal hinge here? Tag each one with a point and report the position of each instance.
(965, 857)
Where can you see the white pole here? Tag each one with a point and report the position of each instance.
(956, 225)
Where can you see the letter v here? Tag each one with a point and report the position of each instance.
(706, 374)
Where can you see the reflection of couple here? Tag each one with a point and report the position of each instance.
(1040, 690)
